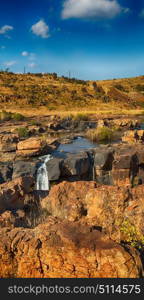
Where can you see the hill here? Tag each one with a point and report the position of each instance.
(48, 92)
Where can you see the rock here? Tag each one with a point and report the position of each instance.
(13, 193)
(67, 200)
(103, 159)
(101, 123)
(125, 166)
(32, 147)
(53, 168)
(6, 170)
(8, 142)
(76, 165)
(133, 136)
(24, 168)
(107, 207)
(126, 123)
(13, 219)
(64, 250)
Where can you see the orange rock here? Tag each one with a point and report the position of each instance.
(64, 249)
(13, 193)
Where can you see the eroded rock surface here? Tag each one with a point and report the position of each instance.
(64, 250)
(13, 194)
(104, 206)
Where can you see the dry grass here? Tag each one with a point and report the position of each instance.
(103, 134)
(41, 95)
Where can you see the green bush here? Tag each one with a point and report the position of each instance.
(17, 117)
(22, 132)
(7, 116)
(103, 134)
(131, 234)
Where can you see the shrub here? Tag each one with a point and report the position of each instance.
(81, 117)
(103, 134)
(18, 117)
(140, 87)
(5, 116)
(22, 132)
(131, 234)
(119, 87)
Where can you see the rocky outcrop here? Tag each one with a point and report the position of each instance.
(8, 142)
(36, 146)
(67, 200)
(64, 250)
(129, 123)
(133, 136)
(14, 193)
(31, 147)
(119, 165)
(107, 207)
(76, 165)
(12, 219)
(23, 168)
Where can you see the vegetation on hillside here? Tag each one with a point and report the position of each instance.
(63, 93)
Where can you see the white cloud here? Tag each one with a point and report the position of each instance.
(4, 29)
(24, 53)
(10, 63)
(141, 15)
(41, 29)
(91, 9)
(32, 65)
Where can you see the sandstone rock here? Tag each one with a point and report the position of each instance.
(76, 165)
(123, 122)
(100, 123)
(103, 206)
(133, 136)
(8, 142)
(13, 193)
(24, 168)
(64, 250)
(13, 219)
(66, 200)
(32, 147)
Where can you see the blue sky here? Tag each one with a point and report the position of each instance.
(93, 39)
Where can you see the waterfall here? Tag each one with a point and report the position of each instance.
(42, 182)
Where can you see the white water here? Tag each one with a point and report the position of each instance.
(42, 183)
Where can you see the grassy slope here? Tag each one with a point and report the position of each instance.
(44, 94)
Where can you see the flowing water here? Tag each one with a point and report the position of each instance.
(42, 183)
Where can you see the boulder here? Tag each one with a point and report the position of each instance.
(54, 168)
(103, 159)
(64, 250)
(76, 165)
(13, 193)
(8, 142)
(13, 219)
(32, 147)
(107, 207)
(24, 168)
(133, 136)
(66, 200)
